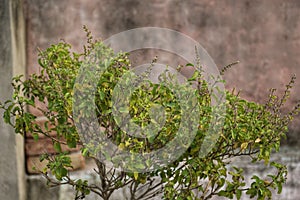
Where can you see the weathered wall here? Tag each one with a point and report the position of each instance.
(262, 35)
(12, 62)
(289, 192)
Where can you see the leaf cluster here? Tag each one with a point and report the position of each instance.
(249, 130)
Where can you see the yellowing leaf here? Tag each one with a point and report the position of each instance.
(257, 140)
(143, 180)
(235, 145)
(127, 143)
(244, 145)
(136, 175)
(121, 146)
(45, 170)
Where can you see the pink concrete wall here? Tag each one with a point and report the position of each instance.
(263, 35)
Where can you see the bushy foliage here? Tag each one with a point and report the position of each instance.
(249, 130)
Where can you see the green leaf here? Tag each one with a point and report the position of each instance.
(123, 109)
(252, 192)
(35, 136)
(189, 64)
(71, 143)
(140, 166)
(194, 77)
(60, 173)
(238, 194)
(57, 147)
(43, 157)
(223, 193)
(85, 152)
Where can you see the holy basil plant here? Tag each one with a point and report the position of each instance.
(249, 130)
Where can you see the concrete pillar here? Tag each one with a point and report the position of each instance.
(12, 62)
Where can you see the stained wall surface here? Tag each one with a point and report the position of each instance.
(263, 35)
(12, 62)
